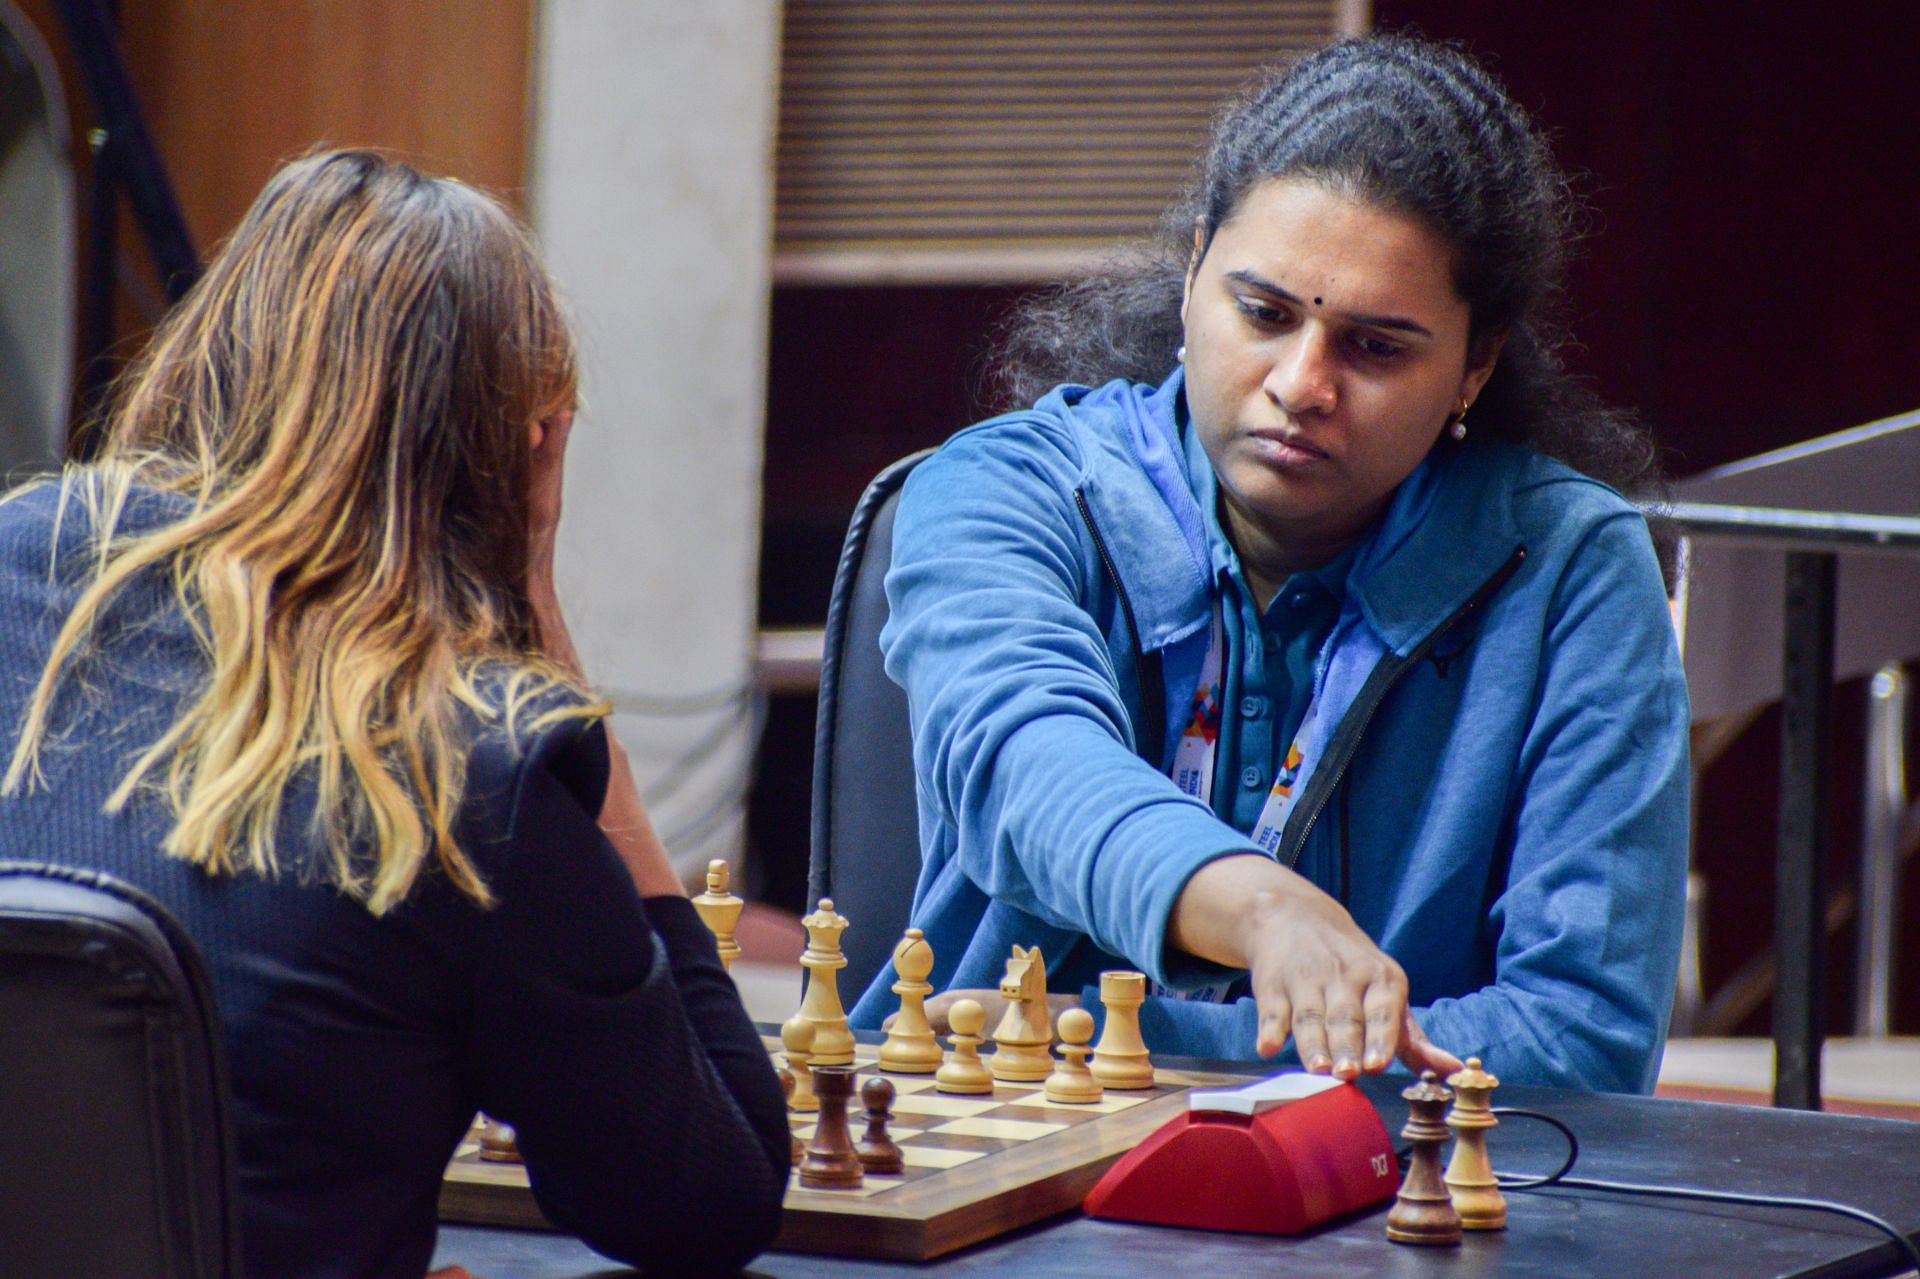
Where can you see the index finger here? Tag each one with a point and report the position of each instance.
(1421, 1053)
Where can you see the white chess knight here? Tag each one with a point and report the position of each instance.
(823, 960)
(1023, 1039)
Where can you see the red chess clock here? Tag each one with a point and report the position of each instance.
(1276, 1157)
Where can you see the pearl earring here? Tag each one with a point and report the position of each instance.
(1180, 356)
(1459, 428)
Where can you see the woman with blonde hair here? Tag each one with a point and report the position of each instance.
(286, 654)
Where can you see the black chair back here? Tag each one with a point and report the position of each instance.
(116, 1156)
(866, 837)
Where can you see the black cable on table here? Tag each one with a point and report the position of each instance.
(1559, 1177)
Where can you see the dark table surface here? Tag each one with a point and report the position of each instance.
(1553, 1234)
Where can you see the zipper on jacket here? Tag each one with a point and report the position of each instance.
(1375, 691)
(1146, 666)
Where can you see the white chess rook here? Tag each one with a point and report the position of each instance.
(1120, 1058)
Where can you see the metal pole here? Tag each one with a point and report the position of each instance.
(99, 281)
(1885, 812)
(1790, 529)
(1689, 994)
(1800, 894)
(93, 36)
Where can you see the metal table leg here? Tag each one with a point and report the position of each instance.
(1800, 902)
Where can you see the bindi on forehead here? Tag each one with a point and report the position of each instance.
(1306, 233)
(1383, 319)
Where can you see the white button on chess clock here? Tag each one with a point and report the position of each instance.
(1264, 1095)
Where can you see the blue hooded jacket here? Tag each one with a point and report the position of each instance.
(1499, 775)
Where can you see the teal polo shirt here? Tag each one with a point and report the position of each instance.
(1270, 659)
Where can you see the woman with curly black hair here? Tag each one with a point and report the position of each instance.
(1296, 645)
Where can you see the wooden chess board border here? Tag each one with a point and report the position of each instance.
(922, 1217)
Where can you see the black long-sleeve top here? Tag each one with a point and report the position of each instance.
(599, 1024)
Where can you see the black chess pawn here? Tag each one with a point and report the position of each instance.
(498, 1143)
(876, 1149)
(1423, 1212)
(829, 1160)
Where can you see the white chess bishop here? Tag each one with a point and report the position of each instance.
(910, 1047)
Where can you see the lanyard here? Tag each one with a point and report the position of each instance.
(1193, 760)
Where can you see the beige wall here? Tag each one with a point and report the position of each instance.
(651, 189)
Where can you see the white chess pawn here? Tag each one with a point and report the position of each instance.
(1071, 1081)
(720, 910)
(796, 1036)
(963, 1071)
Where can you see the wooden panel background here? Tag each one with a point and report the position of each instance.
(232, 87)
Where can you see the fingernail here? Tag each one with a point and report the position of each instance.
(1319, 1065)
(1374, 1061)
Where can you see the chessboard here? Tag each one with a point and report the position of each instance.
(976, 1167)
